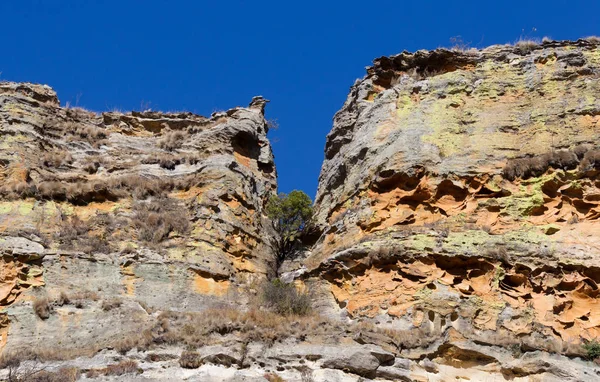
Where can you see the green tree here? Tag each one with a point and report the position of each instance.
(290, 213)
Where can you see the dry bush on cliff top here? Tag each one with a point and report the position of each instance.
(592, 39)
(526, 46)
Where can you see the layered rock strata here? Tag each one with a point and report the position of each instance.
(145, 209)
(461, 192)
(455, 234)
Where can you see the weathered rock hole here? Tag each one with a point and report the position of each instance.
(246, 145)
(431, 315)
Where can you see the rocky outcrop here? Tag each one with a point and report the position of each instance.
(144, 210)
(460, 191)
(455, 234)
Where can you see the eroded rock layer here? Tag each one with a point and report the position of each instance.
(461, 191)
(138, 211)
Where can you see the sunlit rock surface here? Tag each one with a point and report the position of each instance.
(456, 234)
(460, 195)
(162, 210)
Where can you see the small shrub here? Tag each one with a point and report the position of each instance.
(592, 349)
(172, 140)
(526, 46)
(111, 304)
(41, 307)
(285, 299)
(168, 162)
(159, 357)
(87, 236)
(592, 39)
(56, 159)
(94, 135)
(93, 244)
(121, 368)
(590, 161)
(63, 299)
(93, 163)
(51, 190)
(192, 159)
(190, 360)
(155, 220)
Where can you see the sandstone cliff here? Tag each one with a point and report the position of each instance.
(153, 209)
(460, 195)
(455, 237)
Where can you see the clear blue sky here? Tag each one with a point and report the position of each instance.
(204, 56)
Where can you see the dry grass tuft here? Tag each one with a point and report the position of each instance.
(190, 360)
(156, 219)
(121, 368)
(64, 374)
(56, 159)
(26, 366)
(285, 299)
(42, 307)
(78, 299)
(94, 135)
(87, 236)
(526, 46)
(592, 39)
(110, 304)
(91, 164)
(590, 161)
(166, 161)
(172, 140)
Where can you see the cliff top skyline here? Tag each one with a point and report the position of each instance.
(204, 57)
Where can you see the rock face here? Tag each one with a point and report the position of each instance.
(460, 191)
(455, 234)
(161, 210)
